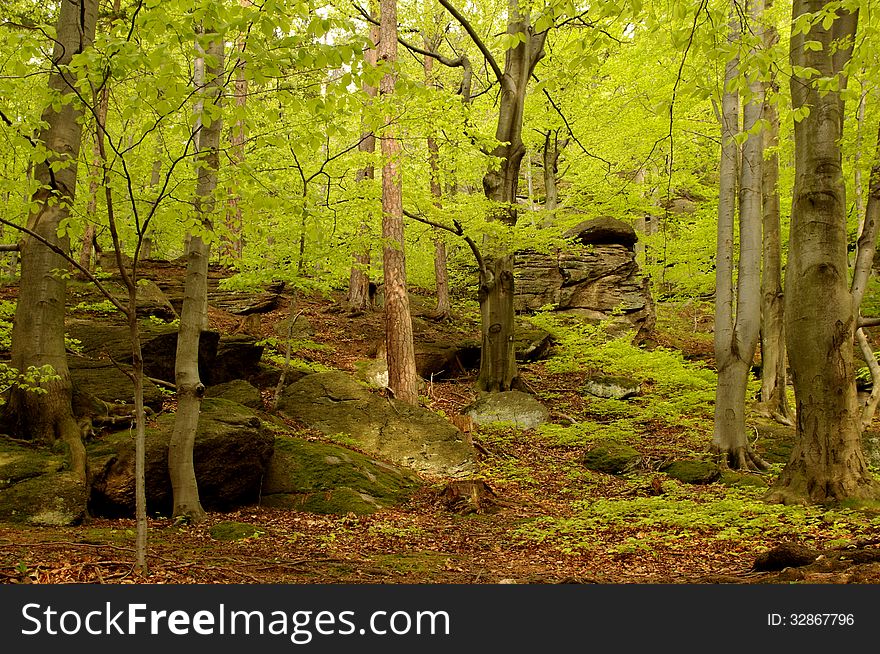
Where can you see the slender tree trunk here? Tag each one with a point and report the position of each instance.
(232, 244)
(193, 316)
(827, 462)
(359, 280)
(443, 311)
(737, 318)
(858, 186)
(400, 352)
(38, 330)
(551, 168)
(774, 375)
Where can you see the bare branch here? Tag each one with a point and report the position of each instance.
(457, 15)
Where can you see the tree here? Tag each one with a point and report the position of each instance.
(498, 369)
(193, 317)
(737, 315)
(821, 312)
(399, 349)
(38, 332)
(774, 369)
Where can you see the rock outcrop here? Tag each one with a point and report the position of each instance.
(596, 277)
(338, 405)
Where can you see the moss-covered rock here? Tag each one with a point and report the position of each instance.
(237, 390)
(522, 410)
(231, 530)
(614, 388)
(741, 480)
(612, 458)
(693, 471)
(19, 463)
(56, 499)
(231, 454)
(339, 406)
(328, 478)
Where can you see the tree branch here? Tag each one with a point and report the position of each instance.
(456, 229)
(457, 15)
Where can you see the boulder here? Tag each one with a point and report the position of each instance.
(231, 456)
(238, 357)
(612, 458)
(692, 471)
(152, 301)
(100, 378)
(35, 489)
(373, 372)
(603, 231)
(239, 391)
(597, 277)
(328, 478)
(158, 346)
(524, 411)
(531, 343)
(614, 388)
(336, 404)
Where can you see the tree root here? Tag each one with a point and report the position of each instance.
(740, 458)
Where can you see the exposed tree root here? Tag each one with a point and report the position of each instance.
(740, 458)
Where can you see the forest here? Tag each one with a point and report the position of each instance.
(425, 291)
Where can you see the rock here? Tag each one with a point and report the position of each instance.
(532, 343)
(785, 555)
(521, 409)
(103, 380)
(158, 346)
(603, 231)
(243, 303)
(612, 458)
(434, 359)
(19, 463)
(302, 329)
(743, 480)
(693, 471)
(615, 388)
(597, 277)
(238, 357)
(152, 301)
(36, 491)
(373, 372)
(328, 478)
(237, 390)
(231, 530)
(231, 456)
(336, 404)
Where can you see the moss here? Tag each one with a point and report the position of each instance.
(235, 531)
(743, 480)
(612, 458)
(18, 463)
(693, 472)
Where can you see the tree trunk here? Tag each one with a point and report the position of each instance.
(774, 376)
(193, 318)
(827, 462)
(443, 311)
(400, 352)
(38, 329)
(232, 244)
(737, 315)
(359, 280)
(498, 369)
(551, 168)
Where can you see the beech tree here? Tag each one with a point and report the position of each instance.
(38, 332)
(821, 311)
(193, 317)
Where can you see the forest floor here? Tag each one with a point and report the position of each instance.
(557, 521)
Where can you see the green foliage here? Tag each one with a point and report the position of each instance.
(104, 307)
(30, 380)
(723, 514)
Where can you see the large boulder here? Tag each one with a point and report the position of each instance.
(524, 411)
(35, 489)
(102, 379)
(238, 357)
(612, 458)
(693, 471)
(158, 346)
(328, 478)
(597, 277)
(237, 390)
(336, 404)
(231, 457)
